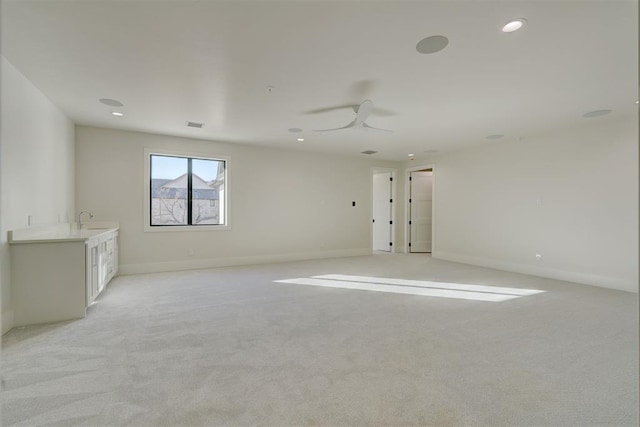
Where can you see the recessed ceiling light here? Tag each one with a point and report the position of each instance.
(117, 113)
(496, 136)
(300, 139)
(295, 130)
(410, 155)
(111, 102)
(637, 101)
(432, 44)
(514, 25)
(596, 113)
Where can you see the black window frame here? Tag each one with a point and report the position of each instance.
(189, 190)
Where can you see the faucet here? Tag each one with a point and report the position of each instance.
(80, 220)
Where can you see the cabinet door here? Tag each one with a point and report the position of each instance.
(88, 271)
(92, 268)
(110, 263)
(115, 254)
(103, 265)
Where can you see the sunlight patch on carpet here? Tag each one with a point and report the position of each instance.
(414, 287)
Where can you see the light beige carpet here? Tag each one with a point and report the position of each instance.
(230, 346)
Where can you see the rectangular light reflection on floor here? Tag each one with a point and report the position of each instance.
(430, 284)
(395, 289)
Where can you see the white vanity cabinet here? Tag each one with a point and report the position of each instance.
(101, 263)
(57, 272)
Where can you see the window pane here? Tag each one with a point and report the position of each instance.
(207, 204)
(168, 190)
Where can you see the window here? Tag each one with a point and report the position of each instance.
(186, 191)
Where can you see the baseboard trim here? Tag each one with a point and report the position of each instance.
(569, 276)
(7, 321)
(198, 264)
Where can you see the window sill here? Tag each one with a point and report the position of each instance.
(188, 228)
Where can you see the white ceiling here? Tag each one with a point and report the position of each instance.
(212, 61)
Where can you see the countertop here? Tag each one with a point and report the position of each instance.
(67, 232)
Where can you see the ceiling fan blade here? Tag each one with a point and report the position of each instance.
(382, 112)
(327, 109)
(350, 125)
(366, 126)
(364, 109)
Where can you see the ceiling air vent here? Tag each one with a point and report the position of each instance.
(369, 152)
(195, 125)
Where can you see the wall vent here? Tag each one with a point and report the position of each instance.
(369, 152)
(195, 125)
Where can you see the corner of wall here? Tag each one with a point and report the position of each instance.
(49, 144)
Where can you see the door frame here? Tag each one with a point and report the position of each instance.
(407, 210)
(394, 192)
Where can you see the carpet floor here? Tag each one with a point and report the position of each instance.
(231, 346)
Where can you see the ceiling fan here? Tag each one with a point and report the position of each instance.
(363, 110)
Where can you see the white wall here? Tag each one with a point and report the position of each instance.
(36, 166)
(586, 225)
(284, 204)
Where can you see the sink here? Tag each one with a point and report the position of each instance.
(98, 225)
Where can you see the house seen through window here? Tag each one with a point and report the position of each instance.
(187, 191)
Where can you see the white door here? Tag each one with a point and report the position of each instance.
(382, 212)
(420, 203)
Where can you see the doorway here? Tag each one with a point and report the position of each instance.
(382, 218)
(420, 225)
